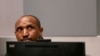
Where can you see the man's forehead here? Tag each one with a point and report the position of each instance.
(25, 20)
(24, 24)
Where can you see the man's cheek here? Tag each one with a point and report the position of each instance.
(18, 35)
(33, 34)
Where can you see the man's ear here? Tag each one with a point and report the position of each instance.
(41, 31)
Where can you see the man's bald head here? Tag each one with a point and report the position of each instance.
(31, 17)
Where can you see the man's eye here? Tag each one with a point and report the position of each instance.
(29, 28)
(19, 29)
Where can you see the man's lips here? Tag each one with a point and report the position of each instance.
(26, 39)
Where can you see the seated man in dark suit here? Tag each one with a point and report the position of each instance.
(28, 28)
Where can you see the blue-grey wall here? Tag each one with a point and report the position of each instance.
(64, 17)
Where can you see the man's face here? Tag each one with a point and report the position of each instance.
(27, 29)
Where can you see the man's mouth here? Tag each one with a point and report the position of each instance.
(26, 40)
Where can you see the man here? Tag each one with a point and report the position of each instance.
(28, 28)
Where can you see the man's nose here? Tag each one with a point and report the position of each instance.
(25, 33)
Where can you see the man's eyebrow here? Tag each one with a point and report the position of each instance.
(18, 27)
(30, 25)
